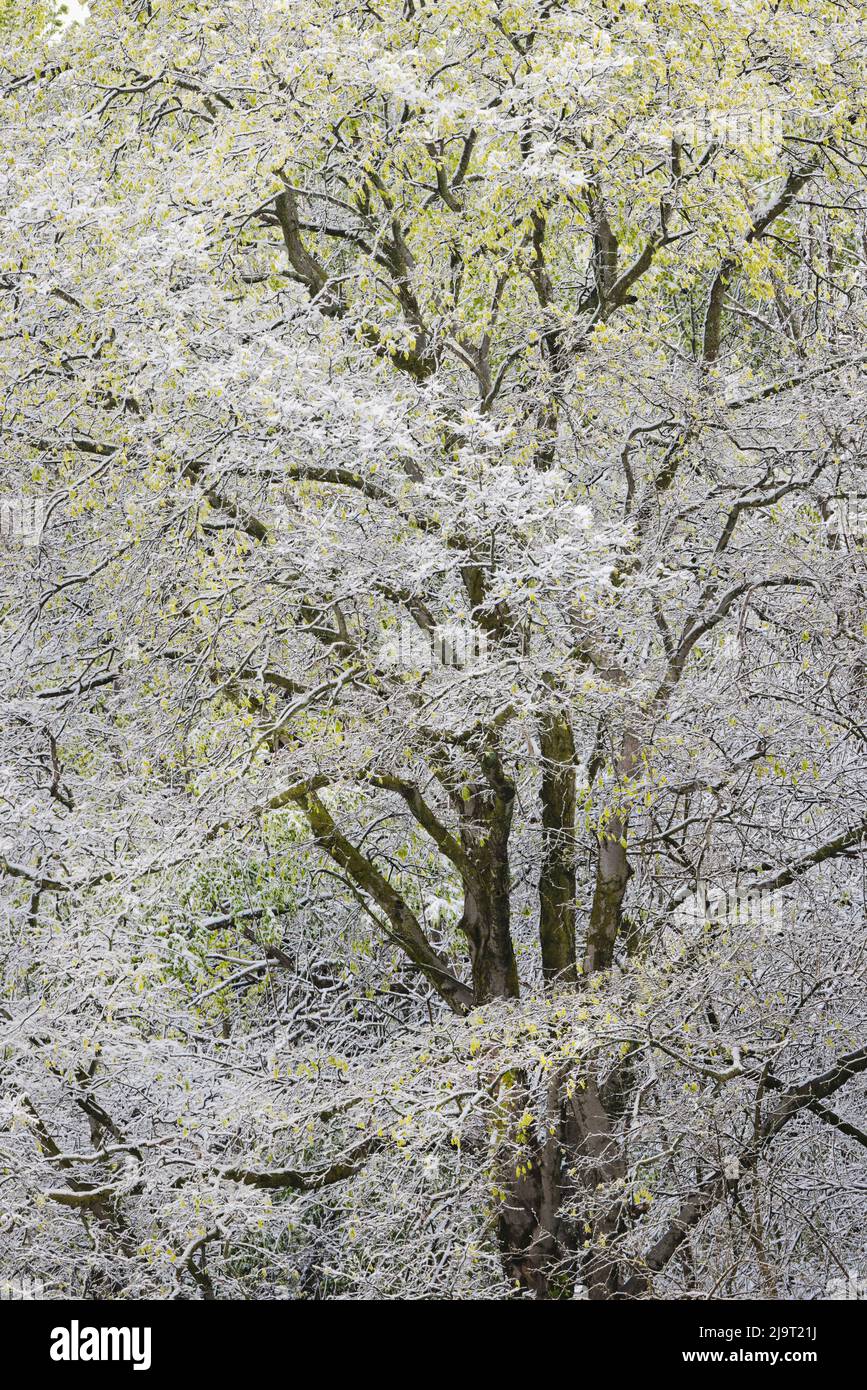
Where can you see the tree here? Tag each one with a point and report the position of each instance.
(448, 421)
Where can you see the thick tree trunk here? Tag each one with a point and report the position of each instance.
(557, 873)
(486, 920)
(591, 1137)
(575, 1167)
(612, 874)
(531, 1177)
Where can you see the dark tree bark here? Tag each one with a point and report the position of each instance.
(612, 874)
(485, 824)
(591, 1137)
(557, 874)
(528, 1227)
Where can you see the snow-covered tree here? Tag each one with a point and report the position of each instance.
(432, 597)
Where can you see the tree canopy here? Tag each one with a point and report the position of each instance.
(434, 647)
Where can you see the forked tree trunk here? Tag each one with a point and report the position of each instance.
(593, 1142)
(578, 1165)
(531, 1177)
(575, 1166)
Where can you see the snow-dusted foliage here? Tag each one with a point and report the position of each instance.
(433, 646)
